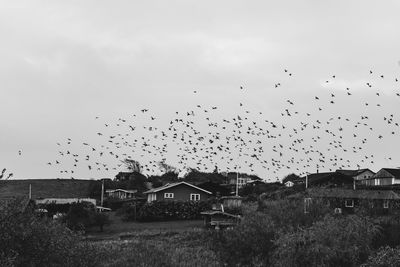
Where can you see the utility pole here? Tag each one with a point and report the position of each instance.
(102, 192)
(30, 191)
(237, 183)
(306, 180)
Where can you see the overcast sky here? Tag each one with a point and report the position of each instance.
(65, 62)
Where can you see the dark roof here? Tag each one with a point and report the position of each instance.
(394, 172)
(328, 178)
(354, 194)
(46, 188)
(353, 173)
(233, 175)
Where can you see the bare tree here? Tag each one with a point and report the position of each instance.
(132, 165)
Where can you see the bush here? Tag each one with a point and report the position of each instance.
(82, 215)
(289, 213)
(168, 210)
(27, 240)
(384, 257)
(334, 241)
(248, 244)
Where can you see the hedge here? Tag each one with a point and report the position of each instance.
(168, 210)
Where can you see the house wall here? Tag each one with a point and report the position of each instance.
(382, 177)
(365, 175)
(182, 193)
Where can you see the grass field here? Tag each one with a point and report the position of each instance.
(155, 244)
(121, 229)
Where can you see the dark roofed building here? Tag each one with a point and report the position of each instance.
(385, 176)
(347, 199)
(358, 175)
(330, 179)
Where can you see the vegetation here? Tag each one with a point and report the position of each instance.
(333, 241)
(277, 233)
(28, 240)
(249, 244)
(166, 210)
(384, 257)
(83, 215)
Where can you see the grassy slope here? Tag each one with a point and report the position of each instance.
(121, 228)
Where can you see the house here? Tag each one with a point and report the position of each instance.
(45, 191)
(347, 199)
(358, 175)
(120, 193)
(289, 184)
(180, 191)
(241, 179)
(384, 176)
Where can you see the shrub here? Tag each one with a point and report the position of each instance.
(248, 244)
(82, 215)
(27, 240)
(333, 241)
(168, 210)
(100, 220)
(289, 213)
(384, 257)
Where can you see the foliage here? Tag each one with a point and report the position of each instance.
(168, 210)
(384, 257)
(82, 215)
(135, 180)
(194, 176)
(289, 213)
(100, 219)
(27, 240)
(53, 208)
(283, 192)
(290, 177)
(333, 241)
(132, 165)
(166, 168)
(253, 191)
(183, 249)
(249, 244)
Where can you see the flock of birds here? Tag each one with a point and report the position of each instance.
(247, 141)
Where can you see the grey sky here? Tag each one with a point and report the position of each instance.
(65, 62)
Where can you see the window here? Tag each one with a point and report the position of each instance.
(386, 204)
(194, 197)
(349, 203)
(168, 195)
(241, 181)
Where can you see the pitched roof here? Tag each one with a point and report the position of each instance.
(328, 177)
(46, 188)
(161, 188)
(394, 172)
(353, 173)
(356, 194)
(120, 190)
